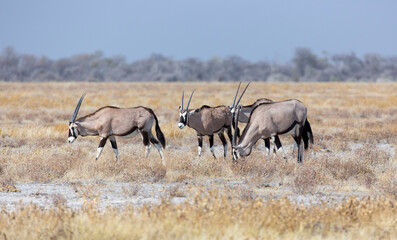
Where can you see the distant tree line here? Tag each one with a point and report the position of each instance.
(305, 66)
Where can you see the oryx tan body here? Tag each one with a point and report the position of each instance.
(207, 121)
(271, 119)
(110, 122)
(244, 115)
(114, 121)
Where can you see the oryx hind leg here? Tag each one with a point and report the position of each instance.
(100, 147)
(114, 146)
(211, 140)
(158, 147)
(298, 139)
(145, 140)
(224, 142)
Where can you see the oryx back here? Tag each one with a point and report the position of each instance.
(247, 110)
(276, 118)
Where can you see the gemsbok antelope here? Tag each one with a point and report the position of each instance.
(207, 121)
(268, 120)
(109, 122)
(244, 115)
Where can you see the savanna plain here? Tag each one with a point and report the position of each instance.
(346, 187)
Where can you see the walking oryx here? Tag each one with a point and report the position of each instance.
(207, 121)
(245, 113)
(108, 122)
(270, 119)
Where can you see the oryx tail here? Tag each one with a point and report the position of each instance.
(159, 133)
(307, 135)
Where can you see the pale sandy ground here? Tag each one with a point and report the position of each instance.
(116, 194)
(121, 194)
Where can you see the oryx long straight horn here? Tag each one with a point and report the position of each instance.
(235, 97)
(245, 89)
(183, 95)
(188, 103)
(77, 108)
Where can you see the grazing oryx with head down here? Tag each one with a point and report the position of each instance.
(270, 119)
(109, 122)
(245, 113)
(207, 121)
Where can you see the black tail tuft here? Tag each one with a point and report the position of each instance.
(159, 133)
(307, 134)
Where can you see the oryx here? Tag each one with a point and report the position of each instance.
(245, 113)
(207, 121)
(109, 122)
(270, 119)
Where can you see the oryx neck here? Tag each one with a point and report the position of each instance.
(190, 114)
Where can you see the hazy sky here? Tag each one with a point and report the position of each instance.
(253, 29)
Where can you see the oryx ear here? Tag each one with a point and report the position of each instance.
(180, 108)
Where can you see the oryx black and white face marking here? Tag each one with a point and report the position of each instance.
(236, 154)
(73, 128)
(183, 112)
(182, 118)
(232, 109)
(73, 133)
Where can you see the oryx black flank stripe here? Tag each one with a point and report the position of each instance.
(128, 133)
(289, 128)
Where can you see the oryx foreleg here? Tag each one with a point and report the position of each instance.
(278, 144)
(114, 146)
(100, 147)
(267, 146)
(211, 140)
(200, 144)
(230, 135)
(223, 139)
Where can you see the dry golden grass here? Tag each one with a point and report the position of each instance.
(355, 132)
(209, 216)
